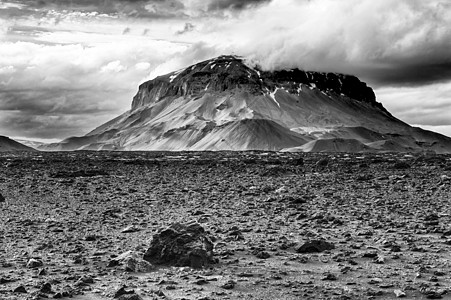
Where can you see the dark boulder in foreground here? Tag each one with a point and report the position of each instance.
(315, 246)
(181, 245)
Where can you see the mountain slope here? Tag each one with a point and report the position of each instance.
(7, 144)
(226, 104)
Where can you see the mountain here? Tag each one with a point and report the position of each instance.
(227, 104)
(29, 143)
(7, 144)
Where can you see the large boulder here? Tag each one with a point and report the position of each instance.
(181, 245)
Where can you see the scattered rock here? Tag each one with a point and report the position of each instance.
(181, 245)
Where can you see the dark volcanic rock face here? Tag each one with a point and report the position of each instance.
(230, 72)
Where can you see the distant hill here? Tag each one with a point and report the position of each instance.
(7, 144)
(226, 104)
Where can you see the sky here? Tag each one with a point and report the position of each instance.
(68, 66)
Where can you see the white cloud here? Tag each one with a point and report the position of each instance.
(7, 5)
(370, 38)
(114, 66)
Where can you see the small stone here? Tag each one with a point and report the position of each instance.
(379, 260)
(84, 281)
(229, 285)
(131, 261)
(34, 263)
(375, 281)
(399, 293)
(315, 246)
(329, 277)
(46, 288)
(130, 297)
(122, 291)
(4, 280)
(2, 199)
(129, 229)
(370, 254)
(20, 289)
(262, 255)
(42, 272)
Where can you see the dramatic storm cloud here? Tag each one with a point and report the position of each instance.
(66, 66)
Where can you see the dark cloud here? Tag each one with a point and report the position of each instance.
(188, 27)
(131, 8)
(409, 74)
(58, 127)
(234, 4)
(54, 113)
(152, 9)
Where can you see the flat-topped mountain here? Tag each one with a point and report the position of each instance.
(227, 104)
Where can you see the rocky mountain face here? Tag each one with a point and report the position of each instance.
(227, 104)
(7, 144)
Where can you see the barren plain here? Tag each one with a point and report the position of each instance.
(333, 226)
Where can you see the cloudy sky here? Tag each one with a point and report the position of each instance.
(67, 66)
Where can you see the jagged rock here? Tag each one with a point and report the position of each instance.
(130, 297)
(46, 288)
(123, 291)
(315, 246)
(129, 229)
(181, 245)
(34, 263)
(131, 262)
(329, 277)
(230, 284)
(399, 293)
(20, 289)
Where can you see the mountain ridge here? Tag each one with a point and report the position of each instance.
(7, 144)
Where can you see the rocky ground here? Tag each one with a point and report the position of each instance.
(357, 226)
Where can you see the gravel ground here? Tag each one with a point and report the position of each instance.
(65, 218)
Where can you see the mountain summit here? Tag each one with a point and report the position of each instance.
(228, 104)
